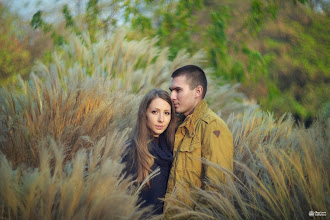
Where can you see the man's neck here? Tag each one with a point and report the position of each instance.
(192, 111)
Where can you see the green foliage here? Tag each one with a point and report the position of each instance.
(15, 53)
(237, 51)
(172, 21)
(38, 22)
(141, 22)
(68, 17)
(257, 16)
(91, 20)
(92, 16)
(237, 72)
(218, 50)
(299, 66)
(235, 38)
(177, 26)
(251, 69)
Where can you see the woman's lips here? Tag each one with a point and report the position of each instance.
(159, 127)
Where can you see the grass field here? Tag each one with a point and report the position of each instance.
(62, 134)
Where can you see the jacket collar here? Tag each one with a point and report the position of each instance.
(191, 120)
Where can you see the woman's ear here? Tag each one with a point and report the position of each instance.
(198, 92)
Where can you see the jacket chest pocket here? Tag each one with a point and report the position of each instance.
(189, 155)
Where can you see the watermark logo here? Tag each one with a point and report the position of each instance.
(316, 213)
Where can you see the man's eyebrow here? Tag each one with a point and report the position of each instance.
(175, 88)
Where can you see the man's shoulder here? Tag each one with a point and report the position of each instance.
(210, 116)
(211, 124)
(212, 120)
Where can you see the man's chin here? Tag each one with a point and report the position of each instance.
(177, 111)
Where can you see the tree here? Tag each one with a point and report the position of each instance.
(233, 33)
(19, 46)
(13, 50)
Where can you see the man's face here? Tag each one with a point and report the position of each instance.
(183, 98)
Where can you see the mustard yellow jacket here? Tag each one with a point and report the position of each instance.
(202, 134)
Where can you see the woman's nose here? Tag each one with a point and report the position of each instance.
(160, 118)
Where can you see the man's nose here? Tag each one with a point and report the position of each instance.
(173, 95)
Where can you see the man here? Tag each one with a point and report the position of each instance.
(202, 134)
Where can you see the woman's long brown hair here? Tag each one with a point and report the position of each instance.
(142, 136)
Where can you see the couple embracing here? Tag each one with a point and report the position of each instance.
(176, 142)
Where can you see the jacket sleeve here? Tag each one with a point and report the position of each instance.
(217, 147)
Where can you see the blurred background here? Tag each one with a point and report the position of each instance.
(72, 74)
(278, 51)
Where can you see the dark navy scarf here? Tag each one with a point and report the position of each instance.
(158, 184)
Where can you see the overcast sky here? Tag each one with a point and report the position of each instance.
(52, 8)
(26, 8)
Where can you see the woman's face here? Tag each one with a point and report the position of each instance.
(158, 116)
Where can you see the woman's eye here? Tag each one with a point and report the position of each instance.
(167, 113)
(153, 112)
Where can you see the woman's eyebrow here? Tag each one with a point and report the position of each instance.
(159, 109)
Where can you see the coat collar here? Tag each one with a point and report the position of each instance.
(191, 120)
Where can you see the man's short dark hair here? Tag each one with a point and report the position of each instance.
(195, 76)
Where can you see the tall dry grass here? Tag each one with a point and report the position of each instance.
(87, 187)
(88, 91)
(280, 172)
(62, 133)
(76, 117)
(133, 66)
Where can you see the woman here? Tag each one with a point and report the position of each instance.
(151, 145)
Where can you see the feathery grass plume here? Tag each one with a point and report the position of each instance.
(280, 172)
(68, 193)
(217, 96)
(69, 122)
(87, 92)
(9, 190)
(133, 66)
(82, 114)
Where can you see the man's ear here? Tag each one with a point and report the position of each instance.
(198, 92)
